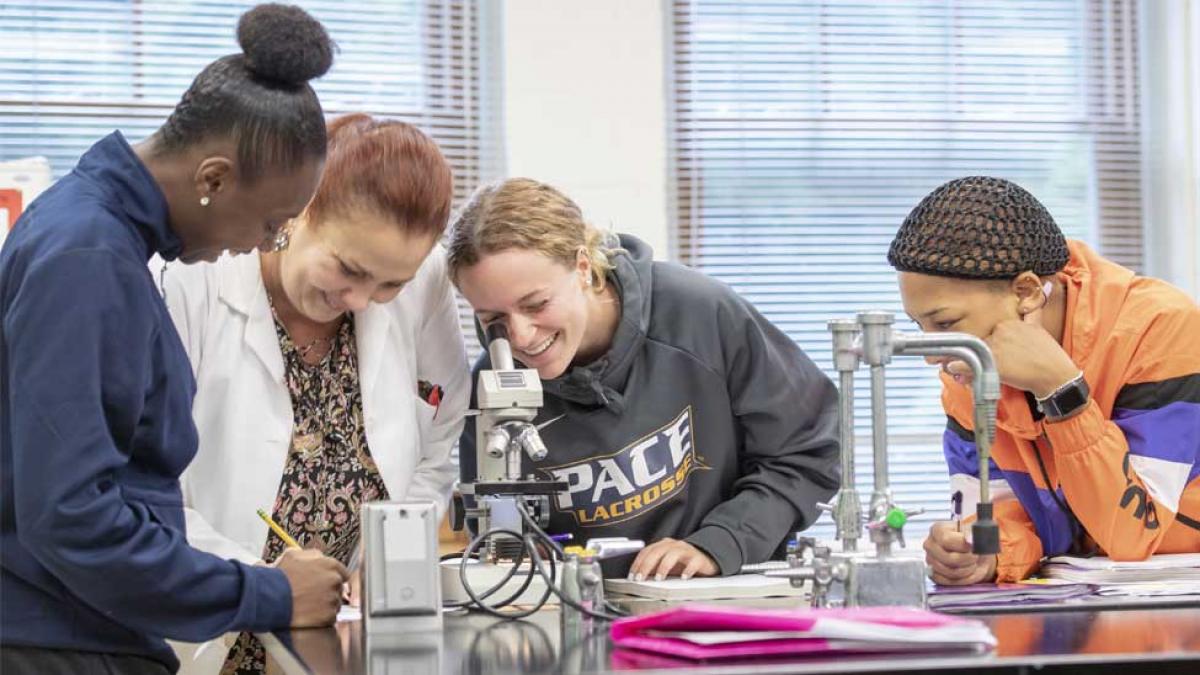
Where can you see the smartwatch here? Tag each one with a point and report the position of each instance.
(1066, 400)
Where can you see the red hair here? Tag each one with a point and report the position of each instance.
(386, 167)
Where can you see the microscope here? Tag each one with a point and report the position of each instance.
(405, 577)
(882, 578)
(508, 400)
(507, 507)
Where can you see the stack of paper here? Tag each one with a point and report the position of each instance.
(1167, 567)
(1150, 589)
(706, 588)
(1000, 595)
(704, 632)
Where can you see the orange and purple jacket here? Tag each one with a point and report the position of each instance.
(1124, 473)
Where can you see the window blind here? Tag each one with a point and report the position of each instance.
(804, 132)
(71, 71)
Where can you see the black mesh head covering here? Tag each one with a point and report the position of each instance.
(979, 228)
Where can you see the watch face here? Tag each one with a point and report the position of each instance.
(1067, 400)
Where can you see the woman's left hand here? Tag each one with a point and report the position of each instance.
(671, 557)
(1028, 357)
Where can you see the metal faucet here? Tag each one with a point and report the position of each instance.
(819, 566)
(845, 507)
(882, 579)
(985, 388)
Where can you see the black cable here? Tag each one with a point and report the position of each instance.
(529, 546)
(564, 599)
(558, 549)
(493, 610)
(528, 579)
(470, 554)
(524, 585)
(542, 533)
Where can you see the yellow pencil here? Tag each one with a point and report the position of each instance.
(287, 538)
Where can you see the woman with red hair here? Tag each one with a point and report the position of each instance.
(331, 371)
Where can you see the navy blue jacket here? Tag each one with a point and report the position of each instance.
(95, 428)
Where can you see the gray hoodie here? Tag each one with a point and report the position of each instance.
(703, 422)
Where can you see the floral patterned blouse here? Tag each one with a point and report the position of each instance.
(329, 472)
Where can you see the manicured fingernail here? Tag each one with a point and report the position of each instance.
(659, 577)
(686, 576)
(641, 577)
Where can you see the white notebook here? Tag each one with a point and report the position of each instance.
(1177, 567)
(706, 588)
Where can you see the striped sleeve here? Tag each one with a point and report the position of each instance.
(1128, 474)
(1161, 424)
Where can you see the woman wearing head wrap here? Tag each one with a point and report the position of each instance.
(1098, 428)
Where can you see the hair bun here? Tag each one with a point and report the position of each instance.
(284, 43)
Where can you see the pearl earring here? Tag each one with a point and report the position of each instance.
(204, 200)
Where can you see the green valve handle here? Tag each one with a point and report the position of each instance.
(896, 518)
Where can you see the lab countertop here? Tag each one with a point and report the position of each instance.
(1165, 639)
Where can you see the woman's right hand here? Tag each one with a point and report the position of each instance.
(951, 562)
(316, 581)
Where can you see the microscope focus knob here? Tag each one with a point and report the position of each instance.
(458, 512)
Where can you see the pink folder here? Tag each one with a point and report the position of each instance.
(682, 631)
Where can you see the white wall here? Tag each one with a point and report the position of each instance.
(1170, 43)
(585, 107)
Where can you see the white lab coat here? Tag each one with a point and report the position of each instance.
(244, 414)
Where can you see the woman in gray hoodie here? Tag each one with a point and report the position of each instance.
(684, 418)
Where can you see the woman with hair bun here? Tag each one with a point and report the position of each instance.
(95, 386)
(316, 363)
(1097, 446)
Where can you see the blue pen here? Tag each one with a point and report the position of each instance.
(562, 537)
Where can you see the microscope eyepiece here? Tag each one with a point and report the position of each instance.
(498, 347)
(496, 330)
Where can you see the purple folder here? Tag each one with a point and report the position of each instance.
(987, 596)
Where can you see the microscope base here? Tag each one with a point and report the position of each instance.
(874, 582)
